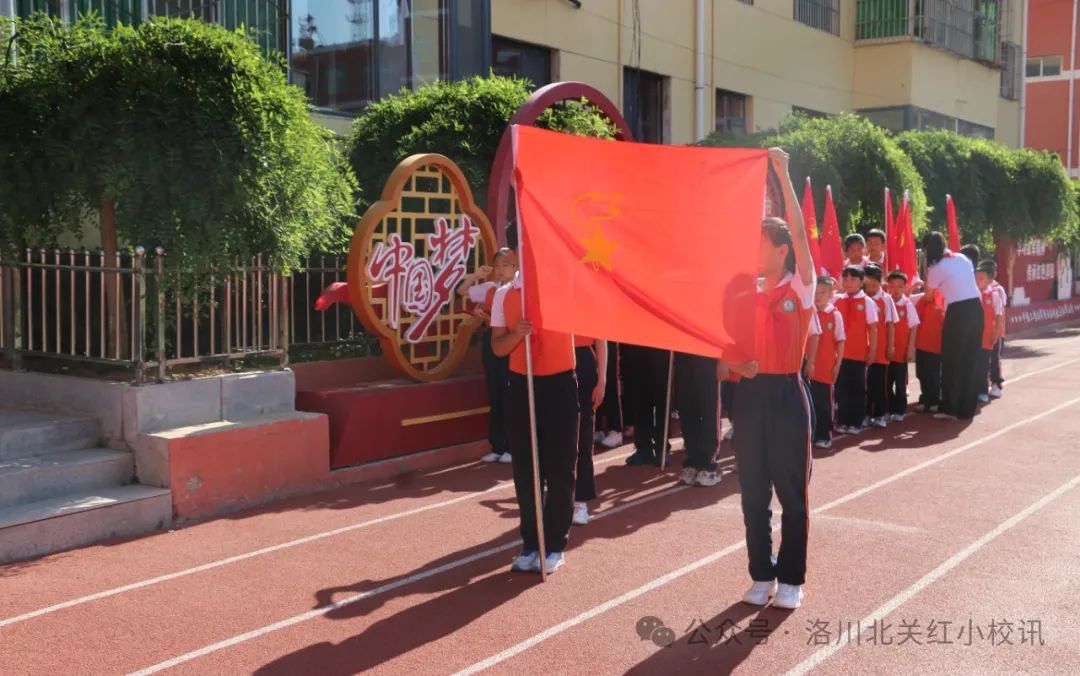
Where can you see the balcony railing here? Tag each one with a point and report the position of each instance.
(959, 26)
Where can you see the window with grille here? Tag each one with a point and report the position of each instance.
(821, 14)
(643, 104)
(521, 59)
(731, 112)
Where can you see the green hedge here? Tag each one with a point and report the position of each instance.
(463, 120)
(1017, 193)
(195, 137)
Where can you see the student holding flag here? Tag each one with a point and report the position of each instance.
(772, 446)
(556, 396)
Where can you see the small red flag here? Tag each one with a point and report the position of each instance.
(954, 228)
(809, 212)
(906, 257)
(891, 222)
(832, 250)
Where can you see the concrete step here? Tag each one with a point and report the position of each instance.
(39, 477)
(29, 433)
(37, 528)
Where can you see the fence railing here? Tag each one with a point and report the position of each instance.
(136, 311)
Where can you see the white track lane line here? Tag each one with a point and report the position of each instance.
(712, 558)
(598, 610)
(936, 574)
(315, 537)
(423, 575)
(325, 534)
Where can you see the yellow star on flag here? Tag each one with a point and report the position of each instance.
(598, 250)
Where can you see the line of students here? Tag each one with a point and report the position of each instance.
(822, 358)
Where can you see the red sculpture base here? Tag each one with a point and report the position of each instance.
(388, 418)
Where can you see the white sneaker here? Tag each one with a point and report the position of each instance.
(612, 440)
(934, 408)
(995, 392)
(552, 563)
(881, 422)
(581, 514)
(710, 478)
(984, 398)
(729, 434)
(944, 416)
(598, 436)
(526, 562)
(506, 458)
(758, 594)
(689, 476)
(898, 417)
(823, 444)
(788, 597)
(491, 457)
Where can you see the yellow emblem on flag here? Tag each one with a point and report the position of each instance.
(590, 211)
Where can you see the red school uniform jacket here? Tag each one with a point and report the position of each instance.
(907, 317)
(931, 324)
(832, 332)
(859, 313)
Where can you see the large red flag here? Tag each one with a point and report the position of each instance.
(809, 213)
(832, 249)
(954, 227)
(907, 259)
(646, 244)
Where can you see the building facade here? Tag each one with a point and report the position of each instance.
(678, 69)
(1050, 111)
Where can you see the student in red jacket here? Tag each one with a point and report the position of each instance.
(907, 328)
(861, 328)
(931, 313)
(480, 288)
(825, 366)
(877, 388)
(772, 444)
(591, 356)
(993, 326)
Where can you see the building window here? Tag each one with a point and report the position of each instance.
(510, 57)
(347, 54)
(1043, 66)
(821, 14)
(731, 112)
(643, 104)
(904, 118)
(1011, 80)
(809, 112)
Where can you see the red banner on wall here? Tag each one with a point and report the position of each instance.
(1042, 314)
(1034, 272)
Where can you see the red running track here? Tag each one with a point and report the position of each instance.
(934, 547)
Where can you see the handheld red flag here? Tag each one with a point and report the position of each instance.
(906, 257)
(832, 249)
(638, 243)
(954, 227)
(891, 219)
(809, 212)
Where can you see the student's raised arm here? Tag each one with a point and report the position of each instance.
(793, 216)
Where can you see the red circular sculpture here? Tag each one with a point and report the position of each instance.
(498, 198)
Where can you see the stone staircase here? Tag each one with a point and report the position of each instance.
(59, 489)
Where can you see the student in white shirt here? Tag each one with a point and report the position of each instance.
(953, 276)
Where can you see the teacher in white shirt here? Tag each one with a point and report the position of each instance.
(953, 276)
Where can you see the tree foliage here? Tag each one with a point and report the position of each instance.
(463, 120)
(858, 159)
(187, 128)
(999, 191)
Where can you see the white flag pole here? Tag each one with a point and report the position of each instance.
(667, 412)
(538, 500)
